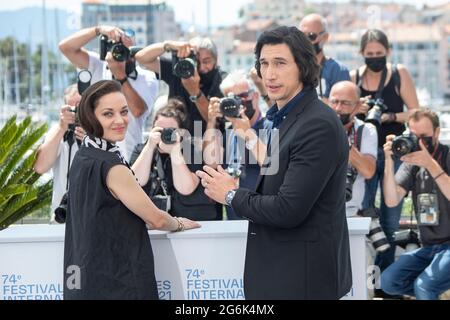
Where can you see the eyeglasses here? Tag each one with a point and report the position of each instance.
(346, 103)
(313, 36)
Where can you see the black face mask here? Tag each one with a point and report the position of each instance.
(249, 110)
(345, 118)
(376, 64)
(428, 142)
(317, 47)
(207, 78)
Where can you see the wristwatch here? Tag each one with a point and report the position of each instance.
(229, 197)
(195, 98)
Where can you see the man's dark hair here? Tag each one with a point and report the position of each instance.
(89, 101)
(301, 48)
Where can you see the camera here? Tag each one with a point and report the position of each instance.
(230, 106)
(350, 179)
(404, 144)
(168, 136)
(377, 108)
(118, 50)
(61, 210)
(407, 239)
(184, 67)
(377, 236)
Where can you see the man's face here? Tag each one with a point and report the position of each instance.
(313, 29)
(280, 73)
(344, 100)
(423, 129)
(206, 61)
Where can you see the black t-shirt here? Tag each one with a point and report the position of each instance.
(176, 90)
(108, 242)
(395, 104)
(418, 180)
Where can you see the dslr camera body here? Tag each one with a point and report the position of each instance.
(184, 67)
(404, 144)
(118, 50)
(377, 108)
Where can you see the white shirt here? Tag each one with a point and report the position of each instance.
(369, 146)
(146, 85)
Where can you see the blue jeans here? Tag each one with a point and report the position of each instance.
(424, 273)
(389, 217)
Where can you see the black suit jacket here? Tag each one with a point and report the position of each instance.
(298, 242)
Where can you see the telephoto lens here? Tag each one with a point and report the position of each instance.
(377, 236)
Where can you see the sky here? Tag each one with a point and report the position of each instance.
(223, 12)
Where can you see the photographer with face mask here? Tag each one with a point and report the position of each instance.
(391, 87)
(315, 27)
(425, 272)
(191, 73)
(363, 141)
(116, 62)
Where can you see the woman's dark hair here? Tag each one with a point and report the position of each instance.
(89, 101)
(173, 109)
(373, 35)
(301, 48)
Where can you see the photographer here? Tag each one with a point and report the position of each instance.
(363, 142)
(425, 272)
(315, 27)
(243, 114)
(392, 87)
(165, 167)
(60, 146)
(138, 85)
(195, 82)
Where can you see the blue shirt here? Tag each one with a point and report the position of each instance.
(275, 117)
(332, 72)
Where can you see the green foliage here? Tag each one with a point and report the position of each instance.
(20, 192)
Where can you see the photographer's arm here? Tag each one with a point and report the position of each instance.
(184, 180)
(212, 139)
(143, 163)
(408, 95)
(364, 163)
(136, 104)
(48, 151)
(72, 47)
(123, 186)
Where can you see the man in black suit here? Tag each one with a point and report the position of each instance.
(298, 243)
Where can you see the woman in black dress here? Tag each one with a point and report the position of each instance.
(107, 253)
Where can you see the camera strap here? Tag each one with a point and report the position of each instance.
(322, 65)
(161, 174)
(380, 89)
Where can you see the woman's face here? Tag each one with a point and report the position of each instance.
(166, 122)
(112, 113)
(374, 50)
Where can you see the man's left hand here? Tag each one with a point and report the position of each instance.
(117, 68)
(192, 84)
(217, 183)
(421, 158)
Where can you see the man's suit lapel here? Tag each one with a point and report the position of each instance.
(286, 125)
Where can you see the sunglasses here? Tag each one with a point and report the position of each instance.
(313, 36)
